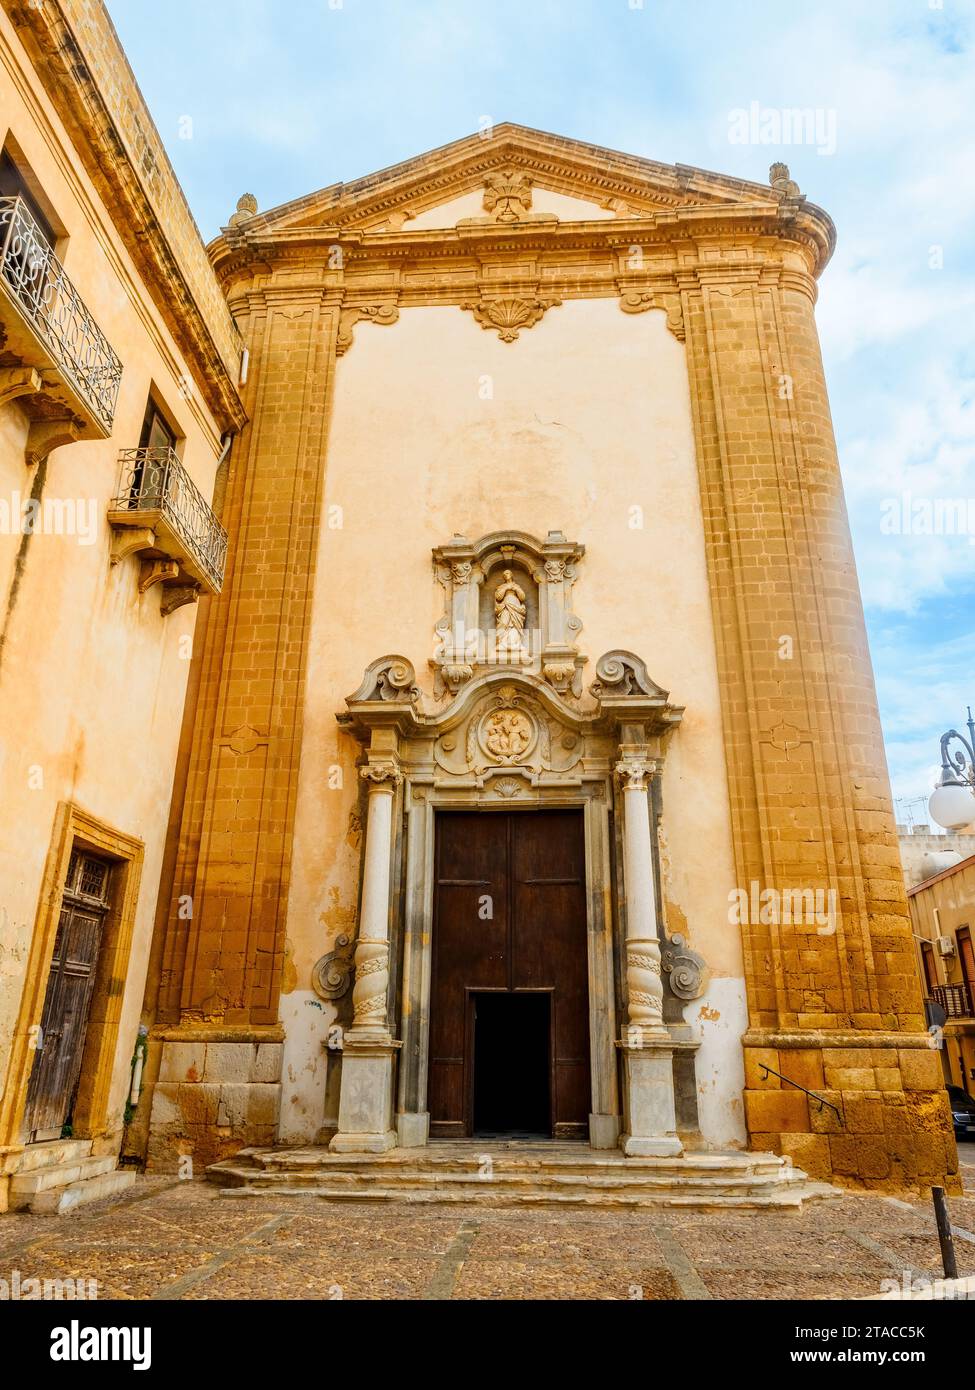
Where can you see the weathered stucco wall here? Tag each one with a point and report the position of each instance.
(584, 425)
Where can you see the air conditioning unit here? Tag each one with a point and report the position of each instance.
(945, 945)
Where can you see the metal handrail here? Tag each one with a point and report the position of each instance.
(154, 480)
(56, 310)
(956, 1000)
(812, 1094)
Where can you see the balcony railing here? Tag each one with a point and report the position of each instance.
(156, 491)
(956, 1000)
(54, 308)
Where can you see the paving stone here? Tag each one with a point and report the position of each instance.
(328, 1277)
(760, 1286)
(924, 1252)
(563, 1279)
(567, 1240)
(338, 1233)
(126, 1271)
(819, 1253)
(185, 1240)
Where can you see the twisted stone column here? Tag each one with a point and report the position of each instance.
(648, 1074)
(645, 995)
(366, 1096)
(372, 949)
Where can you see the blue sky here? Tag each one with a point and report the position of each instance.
(284, 98)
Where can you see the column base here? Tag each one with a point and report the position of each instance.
(413, 1129)
(363, 1143)
(649, 1114)
(661, 1147)
(366, 1098)
(604, 1131)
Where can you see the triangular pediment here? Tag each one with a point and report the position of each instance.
(511, 174)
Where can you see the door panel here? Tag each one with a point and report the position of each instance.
(548, 870)
(471, 936)
(510, 914)
(57, 1063)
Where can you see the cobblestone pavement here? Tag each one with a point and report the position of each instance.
(182, 1240)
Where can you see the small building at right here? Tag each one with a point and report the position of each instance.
(942, 919)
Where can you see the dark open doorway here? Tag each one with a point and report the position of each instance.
(512, 1063)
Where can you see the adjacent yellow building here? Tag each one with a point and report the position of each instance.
(943, 918)
(119, 365)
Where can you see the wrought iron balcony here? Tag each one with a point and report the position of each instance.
(956, 1000)
(169, 517)
(65, 335)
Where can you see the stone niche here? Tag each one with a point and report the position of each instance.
(508, 606)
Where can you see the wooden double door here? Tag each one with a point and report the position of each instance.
(60, 1040)
(509, 1022)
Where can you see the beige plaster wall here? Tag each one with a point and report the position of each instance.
(583, 424)
(92, 677)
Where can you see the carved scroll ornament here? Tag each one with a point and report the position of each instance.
(331, 976)
(686, 969)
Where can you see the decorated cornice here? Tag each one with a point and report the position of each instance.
(661, 209)
(508, 276)
(509, 267)
(496, 289)
(617, 181)
(806, 227)
(379, 705)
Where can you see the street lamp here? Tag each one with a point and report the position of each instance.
(952, 802)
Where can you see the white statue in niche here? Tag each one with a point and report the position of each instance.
(510, 612)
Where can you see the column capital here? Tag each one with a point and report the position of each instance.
(636, 774)
(383, 777)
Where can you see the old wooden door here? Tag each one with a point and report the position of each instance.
(510, 919)
(67, 1002)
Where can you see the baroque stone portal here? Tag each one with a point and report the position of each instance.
(509, 736)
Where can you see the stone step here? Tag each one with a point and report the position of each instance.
(614, 1175)
(51, 1152)
(591, 1166)
(267, 1179)
(56, 1201)
(790, 1198)
(25, 1186)
(520, 1175)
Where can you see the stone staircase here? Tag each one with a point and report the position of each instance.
(513, 1174)
(58, 1177)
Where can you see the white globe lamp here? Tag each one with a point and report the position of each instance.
(952, 806)
(952, 803)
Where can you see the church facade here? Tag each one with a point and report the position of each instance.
(536, 783)
(460, 723)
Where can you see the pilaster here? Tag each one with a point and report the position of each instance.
(224, 931)
(810, 798)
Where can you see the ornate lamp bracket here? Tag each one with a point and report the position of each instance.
(957, 769)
